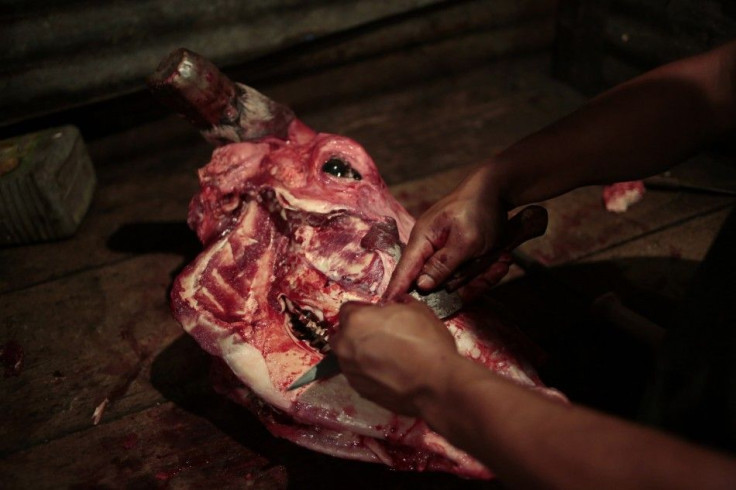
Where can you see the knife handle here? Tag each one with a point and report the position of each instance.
(528, 223)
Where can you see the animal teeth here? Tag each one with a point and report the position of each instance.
(307, 325)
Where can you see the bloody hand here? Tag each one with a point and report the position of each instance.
(394, 354)
(462, 226)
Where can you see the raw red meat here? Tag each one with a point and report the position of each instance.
(620, 196)
(293, 226)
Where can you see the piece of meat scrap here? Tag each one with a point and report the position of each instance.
(622, 195)
(294, 223)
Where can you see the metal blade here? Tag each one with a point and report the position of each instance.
(325, 368)
(442, 303)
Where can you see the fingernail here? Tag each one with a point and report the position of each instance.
(425, 282)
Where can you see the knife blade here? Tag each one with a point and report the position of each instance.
(325, 368)
(442, 303)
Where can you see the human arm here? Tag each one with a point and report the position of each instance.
(527, 439)
(635, 130)
(533, 442)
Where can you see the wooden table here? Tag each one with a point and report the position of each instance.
(91, 317)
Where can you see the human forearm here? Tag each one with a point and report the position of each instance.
(532, 441)
(634, 130)
(529, 440)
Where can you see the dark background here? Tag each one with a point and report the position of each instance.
(86, 61)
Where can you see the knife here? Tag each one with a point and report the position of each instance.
(326, 368)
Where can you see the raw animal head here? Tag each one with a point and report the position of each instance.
(294, 225)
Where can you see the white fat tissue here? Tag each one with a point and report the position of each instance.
(335, 404)
(282, 232)
(315, 205)
(619, 197)
(190, 282)
(248, 364)
(335, 268)
(338, 443)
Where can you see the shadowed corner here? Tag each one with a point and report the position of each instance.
(593, 361)
(181, 373)
(173, 237)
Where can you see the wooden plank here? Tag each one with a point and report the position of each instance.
(580, 226)
(688, 241)
(419, 195)
(207, 443)
(140, 204)
(444, 22)
(412, 65)
(162, 446)
(653, 273)
(604, 43)
(649, 273)
(451, 122)
(85, 338)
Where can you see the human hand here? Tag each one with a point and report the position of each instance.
(394, 355)
(463, 225)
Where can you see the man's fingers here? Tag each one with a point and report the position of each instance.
(444, 262)
(347, 310)
(437, 269)
(417, 251)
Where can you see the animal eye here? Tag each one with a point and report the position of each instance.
(339, 168)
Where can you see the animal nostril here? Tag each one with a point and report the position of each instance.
(339, 168)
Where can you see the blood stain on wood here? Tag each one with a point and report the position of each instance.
(12, 356)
